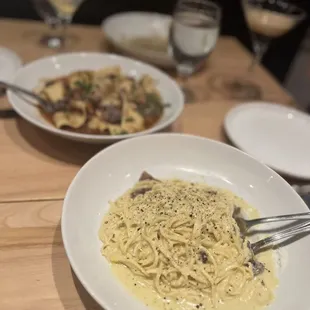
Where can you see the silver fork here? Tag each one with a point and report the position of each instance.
(284, 234)
(245, 225)
(46, 105)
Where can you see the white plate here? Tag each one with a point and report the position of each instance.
(110, 173)
(123, 26)
(274, 134)
(9, 64)
(30, 75)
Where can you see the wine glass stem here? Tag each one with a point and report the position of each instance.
(52, 28)
(184, 71)
(260, 48)
(64, 24)
(183, 80)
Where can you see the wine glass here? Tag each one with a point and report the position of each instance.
(193, 35)
(267, 19)
(57, 14)
(48, 14)
(66, 8)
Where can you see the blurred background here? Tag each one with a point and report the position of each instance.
(288, 57)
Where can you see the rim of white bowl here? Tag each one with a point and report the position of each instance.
(134, 13)
(140, 13)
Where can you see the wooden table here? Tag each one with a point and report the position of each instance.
(36, 169)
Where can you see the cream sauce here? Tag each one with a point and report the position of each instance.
(250, 299)
(255, 296)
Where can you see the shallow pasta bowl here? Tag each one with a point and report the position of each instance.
(30, 75)
(115, 169)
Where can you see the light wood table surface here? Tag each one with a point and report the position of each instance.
(36, 169)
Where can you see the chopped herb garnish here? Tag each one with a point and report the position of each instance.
(86, 87)
(152, 106)
(129, 119)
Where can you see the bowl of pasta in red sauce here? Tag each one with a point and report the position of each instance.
(97, 97)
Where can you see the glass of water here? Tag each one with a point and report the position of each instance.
(193, 34)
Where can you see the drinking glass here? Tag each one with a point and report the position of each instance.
(66, 8)
(48, 14)
(57, 14)
(193, 35)
(267, 19)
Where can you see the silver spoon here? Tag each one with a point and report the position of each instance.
(46, 105)
(245, 225)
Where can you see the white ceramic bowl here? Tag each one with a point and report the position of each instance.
(117, 168)
(29, 76)
(123, 26)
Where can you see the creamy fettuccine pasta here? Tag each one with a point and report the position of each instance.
(176, 245)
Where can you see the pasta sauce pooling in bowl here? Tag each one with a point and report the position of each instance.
(176, 245)
(102, 102)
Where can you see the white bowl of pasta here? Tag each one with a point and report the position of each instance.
(97, 97)
(170, 242)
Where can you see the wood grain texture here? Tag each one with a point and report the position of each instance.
(37, 165)
(34, 270)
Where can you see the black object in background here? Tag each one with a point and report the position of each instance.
(277, 59)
